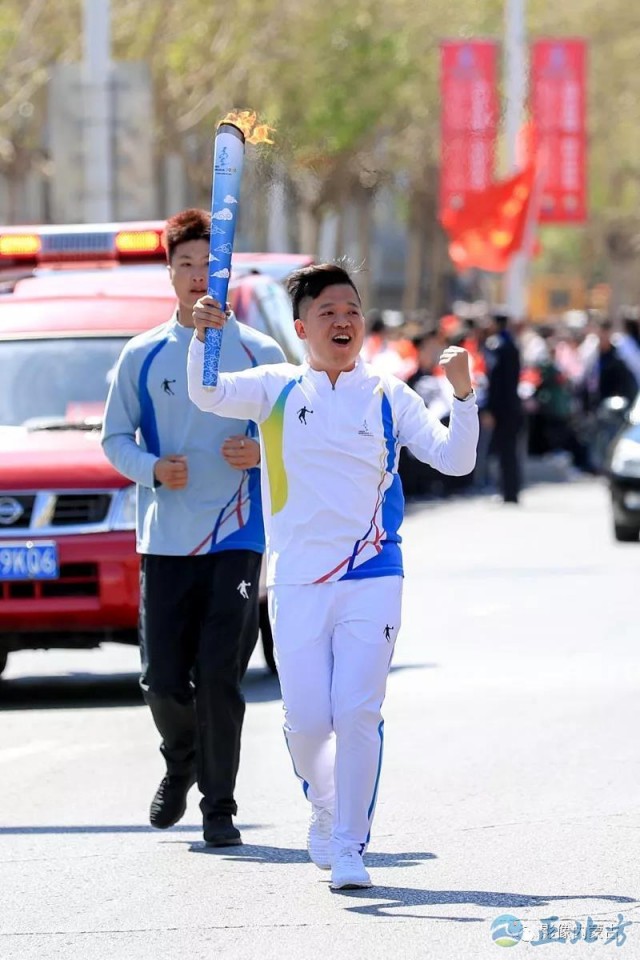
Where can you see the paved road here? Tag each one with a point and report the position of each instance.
(510, 785)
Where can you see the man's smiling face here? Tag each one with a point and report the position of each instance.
(333, 327)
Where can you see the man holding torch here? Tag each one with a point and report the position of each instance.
(200, 533)
(333, 508)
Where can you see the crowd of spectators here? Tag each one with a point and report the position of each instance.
(551, 391)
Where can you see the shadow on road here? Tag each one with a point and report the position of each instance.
(72, 690)
(106, 690)
(258, 853)
(394, 898)
(54, 830)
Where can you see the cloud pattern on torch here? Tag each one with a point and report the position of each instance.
(223, 214)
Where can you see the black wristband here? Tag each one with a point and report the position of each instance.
(466, 397)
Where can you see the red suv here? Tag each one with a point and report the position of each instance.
(68, 566)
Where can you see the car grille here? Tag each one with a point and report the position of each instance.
(76, 580)
(74, 508)
(35, 512)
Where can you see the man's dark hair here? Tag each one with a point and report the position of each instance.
(192, 224)
(501, 320)
(309, 282)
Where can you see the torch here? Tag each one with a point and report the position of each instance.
(228, 160)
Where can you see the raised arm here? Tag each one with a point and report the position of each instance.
(452, 449)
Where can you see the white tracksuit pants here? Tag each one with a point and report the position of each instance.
(333, 644)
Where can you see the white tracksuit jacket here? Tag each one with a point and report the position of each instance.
(332, 497)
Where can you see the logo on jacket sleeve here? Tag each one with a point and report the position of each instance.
(166, 386)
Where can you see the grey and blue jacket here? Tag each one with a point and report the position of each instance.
(149, 415)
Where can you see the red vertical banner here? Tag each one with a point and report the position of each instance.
(558, 108)
(469, 119)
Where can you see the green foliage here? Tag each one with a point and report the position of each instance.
(562, 251)
(33, 35)
(335, 102)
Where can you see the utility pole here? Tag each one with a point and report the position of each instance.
(516, 88)
(97, 112)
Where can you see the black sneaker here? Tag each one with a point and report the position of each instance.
(170, 801)
(220, 832)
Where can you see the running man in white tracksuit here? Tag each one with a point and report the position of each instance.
(330, 433)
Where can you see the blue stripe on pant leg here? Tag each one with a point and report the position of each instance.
(374, 797)
(305, 785)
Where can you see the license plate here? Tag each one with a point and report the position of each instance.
(29, 561)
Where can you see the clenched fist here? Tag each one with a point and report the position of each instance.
(455, 363)
(172, 472)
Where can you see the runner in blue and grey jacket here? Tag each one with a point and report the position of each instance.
(201, 537)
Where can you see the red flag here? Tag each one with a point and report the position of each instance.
(491, 226)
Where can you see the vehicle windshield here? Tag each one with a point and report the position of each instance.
(66, 378)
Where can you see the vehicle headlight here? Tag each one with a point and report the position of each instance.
(626, 458)
(124, 509)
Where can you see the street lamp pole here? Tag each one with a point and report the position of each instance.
(516, 67)
(97, 111)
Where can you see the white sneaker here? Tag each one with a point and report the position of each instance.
(319, 837)
(348, 871)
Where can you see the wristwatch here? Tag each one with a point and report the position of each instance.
(467, 396)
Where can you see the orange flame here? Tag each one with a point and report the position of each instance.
(261, 134)
(245, 120)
